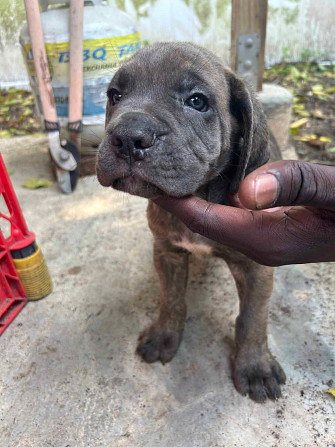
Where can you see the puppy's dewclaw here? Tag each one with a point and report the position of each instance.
(180, 123)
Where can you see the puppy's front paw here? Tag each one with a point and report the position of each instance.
(158, 343)
(258, 374)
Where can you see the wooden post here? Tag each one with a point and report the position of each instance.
(248, 17)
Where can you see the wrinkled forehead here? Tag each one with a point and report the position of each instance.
(176, 66)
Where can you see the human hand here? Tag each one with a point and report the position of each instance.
(300, 229)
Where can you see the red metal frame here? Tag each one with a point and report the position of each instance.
(12, 293)
(20, 236)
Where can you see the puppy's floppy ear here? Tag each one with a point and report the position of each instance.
(253, 150)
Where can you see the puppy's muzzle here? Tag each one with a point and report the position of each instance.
(134, 136)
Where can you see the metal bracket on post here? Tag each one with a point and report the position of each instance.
(248, 57)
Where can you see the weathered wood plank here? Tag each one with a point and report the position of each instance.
(249, 16)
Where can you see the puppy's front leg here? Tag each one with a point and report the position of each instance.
(255, 370)
(161, 340)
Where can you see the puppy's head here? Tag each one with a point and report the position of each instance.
(178, 120)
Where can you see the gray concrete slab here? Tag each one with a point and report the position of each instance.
(277, 104)
(69, 376)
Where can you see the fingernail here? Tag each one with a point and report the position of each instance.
(234, 200)
(266, 190)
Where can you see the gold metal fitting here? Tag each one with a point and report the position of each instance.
(34, 274)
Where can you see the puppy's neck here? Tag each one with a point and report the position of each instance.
(216, 191)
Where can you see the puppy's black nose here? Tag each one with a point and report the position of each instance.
(133, 136)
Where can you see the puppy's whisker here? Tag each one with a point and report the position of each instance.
(222, 175)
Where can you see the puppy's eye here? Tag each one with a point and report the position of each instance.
(114, 96)
(198, 101)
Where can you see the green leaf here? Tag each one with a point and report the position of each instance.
(329, 74)
(317, 89)
(26, 111)
(17, 132)
(321, 67)
(13, 102)
(294, 130)
(331, 391)
(299, 107)
(306, 137)
(298, 123)
(332, 149)
(10, 171)
(27, 126)
(294, 73)
(302, 113)
(28, 101)
(4, 109)
(325, 140)
(35, 183)
(5, 134)
(323, 97)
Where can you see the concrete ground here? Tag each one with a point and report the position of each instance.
(69, 376)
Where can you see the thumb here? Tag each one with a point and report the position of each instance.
(285, 183)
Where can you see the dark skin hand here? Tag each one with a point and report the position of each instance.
(284, 214)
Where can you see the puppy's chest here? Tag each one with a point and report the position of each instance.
(166, 226)
(198, 246)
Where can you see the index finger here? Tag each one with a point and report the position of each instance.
(290, 235)
(235, 227)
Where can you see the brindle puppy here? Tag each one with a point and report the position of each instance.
(177, 123)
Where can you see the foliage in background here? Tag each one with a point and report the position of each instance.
(12, 16)
(313, 89)
(17, 113)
